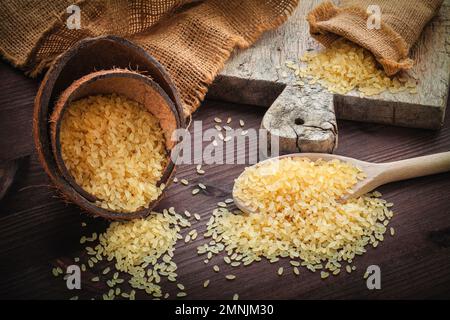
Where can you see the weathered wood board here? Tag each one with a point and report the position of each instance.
(304, 118)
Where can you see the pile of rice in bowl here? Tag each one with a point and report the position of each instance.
(114, 148)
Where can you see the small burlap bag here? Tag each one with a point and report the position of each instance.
(402, 22)
(191, 38)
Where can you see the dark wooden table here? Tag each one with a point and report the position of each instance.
(39, 231)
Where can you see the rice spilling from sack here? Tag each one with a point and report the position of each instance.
(300, 215)
(345, 66)
(115, 150)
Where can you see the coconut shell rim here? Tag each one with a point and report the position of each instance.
(61, 107)
(41, 130)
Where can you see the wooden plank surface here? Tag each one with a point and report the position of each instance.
(39, 231)
(16, 105)
(305, 117)
(8, 171)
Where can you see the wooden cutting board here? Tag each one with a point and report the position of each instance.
(304, 118)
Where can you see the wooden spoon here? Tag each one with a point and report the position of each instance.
(377, 173)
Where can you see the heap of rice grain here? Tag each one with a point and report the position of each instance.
(142, 250)
(115, 150)
(346, 66)
(299, 216)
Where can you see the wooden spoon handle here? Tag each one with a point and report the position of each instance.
(416, 167)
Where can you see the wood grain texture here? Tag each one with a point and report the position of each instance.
(258, 76)
(38, 230)
(8, 171)
(16, 106)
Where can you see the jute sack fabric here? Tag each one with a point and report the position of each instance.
(191, 38)
(402, 22)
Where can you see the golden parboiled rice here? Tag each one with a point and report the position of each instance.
(144, 249)
(346, 66)
(115, 149)
(299, 215)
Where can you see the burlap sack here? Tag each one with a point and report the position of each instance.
(191, 38)
(402, 22)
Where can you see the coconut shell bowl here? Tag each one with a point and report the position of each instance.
(94, 66)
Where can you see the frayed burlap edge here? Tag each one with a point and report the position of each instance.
(224, 53)
(32, 67)
(325, 27)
